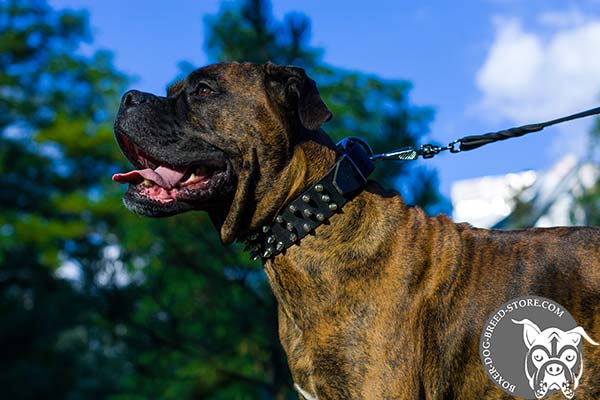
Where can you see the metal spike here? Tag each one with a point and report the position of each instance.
(279, 246)
(293, 237)
(306, 198)
(265, 229)
(254, 236)
(307, 213)
(320, 217)
(279, 219)
(292, 208)
(333, 206)
(319, 188)
(325, 198)
(306, 227)
(267, 253)
(290, 226)
(270, 239)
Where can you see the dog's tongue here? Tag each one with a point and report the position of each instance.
(162, 176)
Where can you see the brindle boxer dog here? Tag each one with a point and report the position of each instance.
(382, 301)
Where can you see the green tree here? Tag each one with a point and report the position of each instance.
(531, 203)
(588, 203)
(159, 309)
(141, 320)
(55, 147)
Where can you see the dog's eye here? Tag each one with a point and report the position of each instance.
(538, 355)
(569, 355)
(204, 90)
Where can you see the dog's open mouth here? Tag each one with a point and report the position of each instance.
(160, 186)
(164, 184)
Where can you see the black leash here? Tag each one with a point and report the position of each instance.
(474, 141)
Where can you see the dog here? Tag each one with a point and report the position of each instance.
(553, 360)
(376, 299)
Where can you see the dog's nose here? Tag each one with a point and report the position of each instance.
(554, 369)
(135, 98)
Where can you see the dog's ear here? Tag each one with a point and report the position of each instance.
(291, 88)
(576, 334)
(530, 331)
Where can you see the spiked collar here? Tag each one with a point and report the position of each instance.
(317, 204)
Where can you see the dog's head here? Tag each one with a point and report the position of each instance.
(553, 360)
(223, 140)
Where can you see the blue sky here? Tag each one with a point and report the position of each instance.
(483, 65)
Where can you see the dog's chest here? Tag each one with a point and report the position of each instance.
(337, 360)
(319, 371)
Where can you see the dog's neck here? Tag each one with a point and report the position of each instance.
(320, 199)
(310, 160)
(310, 276)
(311, 268)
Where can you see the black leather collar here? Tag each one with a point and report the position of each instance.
(317, 204)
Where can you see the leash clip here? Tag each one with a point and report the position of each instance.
(429, 150)
(454, 146)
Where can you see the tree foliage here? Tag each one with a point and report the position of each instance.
(96, 302)
(55, 149)
(587, 204)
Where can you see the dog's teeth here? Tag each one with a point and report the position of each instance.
(147, 182)
(192, 176)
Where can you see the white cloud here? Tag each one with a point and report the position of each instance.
(526, 76)
(533, 76)
(506, 76)
(562, 19)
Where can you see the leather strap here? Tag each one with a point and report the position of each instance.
(316, 205)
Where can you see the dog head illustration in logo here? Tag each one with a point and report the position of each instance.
(553, 360)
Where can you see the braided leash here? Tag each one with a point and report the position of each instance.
(475, 141)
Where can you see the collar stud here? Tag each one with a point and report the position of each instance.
(316, 205)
